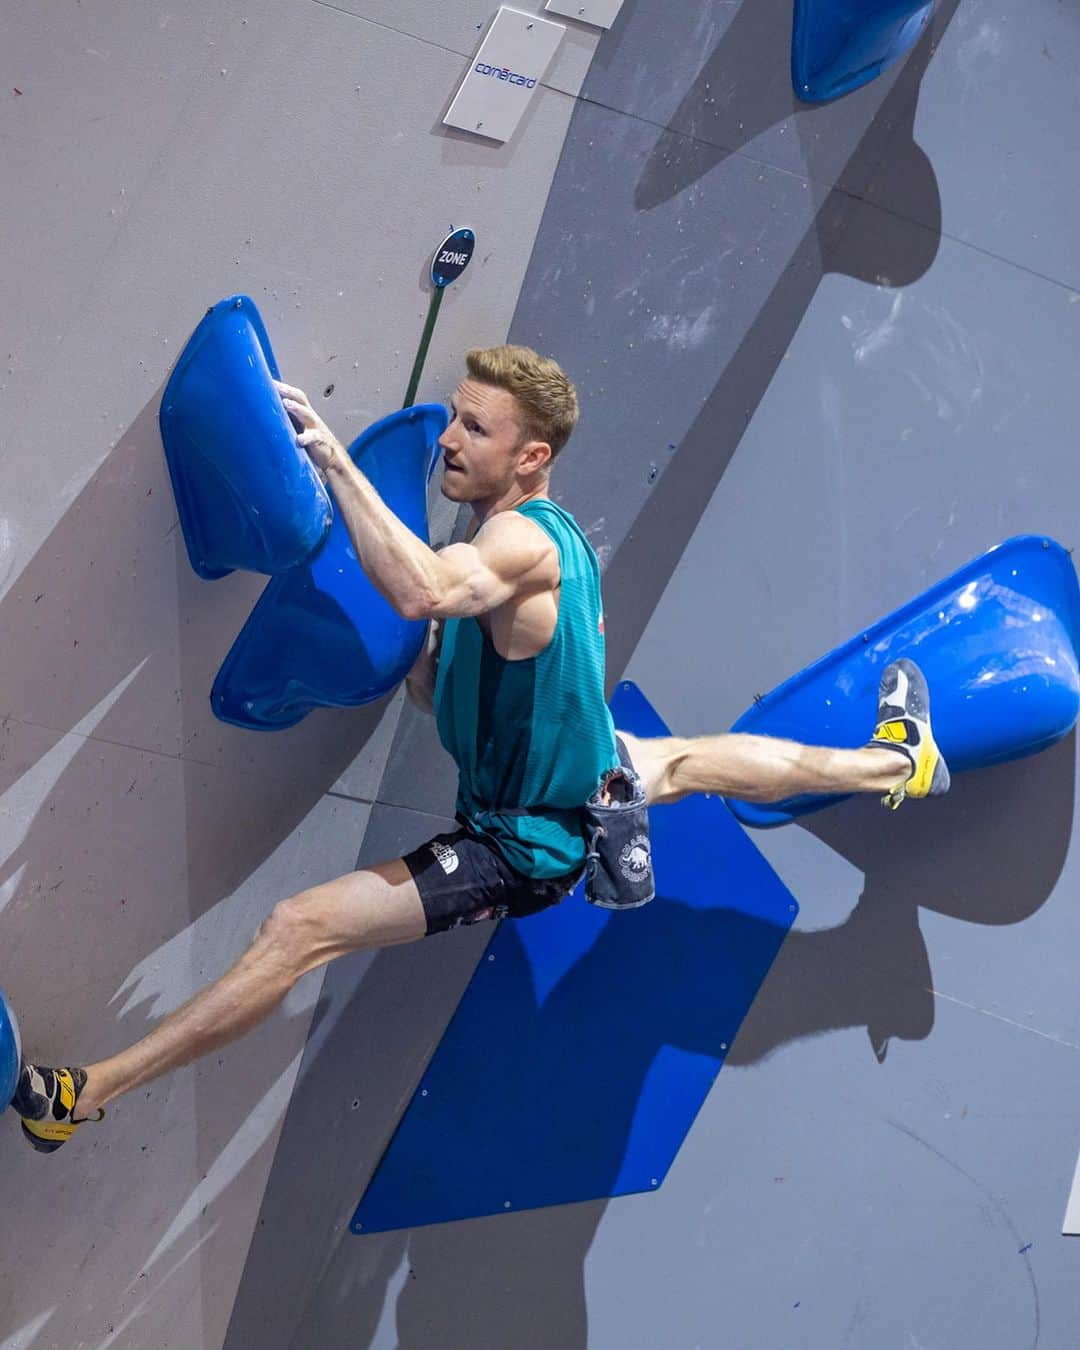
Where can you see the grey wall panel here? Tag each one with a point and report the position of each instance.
(109, 599)
(107, 623)
(998, 101)
(103, 933)
(699, 292)
(660, 298)
(825, 1200)
(992, 882)
(907, 430)
(308, 1281)
(419, 773)
(927, 431)
(908, 427)
(718, 82)
(166, 159)
(76, 161)
(340, 281)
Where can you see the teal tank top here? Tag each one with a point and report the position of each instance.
(531, 738)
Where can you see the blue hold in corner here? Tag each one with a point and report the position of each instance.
(998, 643)
(322, 635)
(10, 1052)
(839, 45)
(247, 494)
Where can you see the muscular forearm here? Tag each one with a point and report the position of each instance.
(401, 566)
(517, 556)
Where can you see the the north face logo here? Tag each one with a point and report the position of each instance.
(448, 858)
(635, 859)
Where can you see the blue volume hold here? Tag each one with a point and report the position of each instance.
(997, 641)
(247, 494)
(10, 1052)
(839, 45)
(322, 635)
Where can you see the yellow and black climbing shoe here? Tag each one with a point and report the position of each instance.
(903, 723)
(46, 1100)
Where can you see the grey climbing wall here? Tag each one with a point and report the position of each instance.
(826, 354)
(866, 381)
(825, 358)
(157, 157)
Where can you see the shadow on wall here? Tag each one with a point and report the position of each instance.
(127, 812)
(130, 811)
(891, 246)
(956, 857)
(723, 110)
(744, 90)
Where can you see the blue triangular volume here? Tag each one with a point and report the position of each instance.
(588, 1040)
(998, 643)
(247, 495)
(839, 45)
(322, 635)
(9, 1051)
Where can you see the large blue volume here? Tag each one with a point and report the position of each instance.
(9, 1052)
(839, 45)
(588, 1040)
(322, 635)
(997, 641)
(247, 494)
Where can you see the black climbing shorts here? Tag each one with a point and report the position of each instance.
(462, 878)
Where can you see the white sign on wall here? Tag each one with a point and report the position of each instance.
(503, 75)
(601, 13)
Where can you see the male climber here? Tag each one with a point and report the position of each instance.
(513, 671)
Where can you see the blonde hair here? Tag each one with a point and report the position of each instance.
(540, 387)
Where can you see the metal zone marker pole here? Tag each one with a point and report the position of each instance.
(450, 260)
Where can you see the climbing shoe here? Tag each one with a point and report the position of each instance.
(903, 723)
(46, 1100)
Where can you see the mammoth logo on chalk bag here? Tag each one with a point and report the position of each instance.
(635, 859)
(618, 856)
